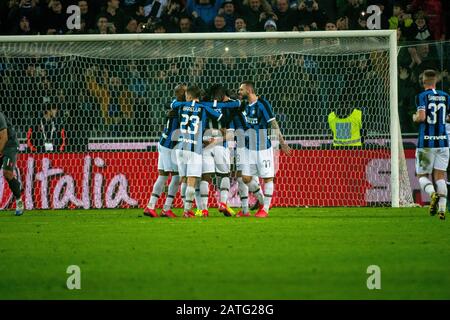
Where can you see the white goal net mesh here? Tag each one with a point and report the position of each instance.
(111, 99)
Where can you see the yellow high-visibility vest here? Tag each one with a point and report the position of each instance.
(346, 131)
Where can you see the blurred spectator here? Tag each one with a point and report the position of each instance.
(171, 15)
(342, 23)
(115, 15)
(159, 28)
(422, 57)
(205, 9)
(400, 19)
(219, 24)
(329, 7)
(256, 13)
(114, 99)
(139, 15)
(154, 8)
(397, 12)
(419, 30)
(309, 14)
(286, 18)
(56, 20)
(131, 25)
(433, 11)
(352, 10)
(229, 13)
(24, 27)
(86, 15)
(130, 6)
(270, 26)
(47, 135)
(23, 8)
(103, 26)
(186, 24)
(240, 25)
(362, 22)
(330, 26)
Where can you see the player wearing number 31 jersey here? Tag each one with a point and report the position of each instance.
(432, 154)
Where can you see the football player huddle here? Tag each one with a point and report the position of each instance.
(203, 133)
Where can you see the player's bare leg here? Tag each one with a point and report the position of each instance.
(258, 194)
(189, 197)
(224, 190)
(427, 186)
(183, 189)
(255, 188)
(16, 190)
(204, 193)
(268, 192)
(171, 193)
(198, 199)
(158, 188)
(441, 186)
(243, 194)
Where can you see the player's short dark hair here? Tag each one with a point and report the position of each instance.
(194, 91)
(249, 83)
(217, 92)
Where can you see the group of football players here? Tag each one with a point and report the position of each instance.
(203, 133)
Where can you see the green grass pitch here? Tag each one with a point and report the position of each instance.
(297, 253)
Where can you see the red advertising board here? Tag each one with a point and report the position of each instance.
(125, 179)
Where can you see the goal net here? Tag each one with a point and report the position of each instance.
(111, 94)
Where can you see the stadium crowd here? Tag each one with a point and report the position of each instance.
(134, 86)
(418, 19)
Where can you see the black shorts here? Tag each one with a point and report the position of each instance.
(9, 159)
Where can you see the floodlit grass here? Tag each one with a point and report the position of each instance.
(297, 253)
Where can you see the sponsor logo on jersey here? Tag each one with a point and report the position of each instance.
(435, 137)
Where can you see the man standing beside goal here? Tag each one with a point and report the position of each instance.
(259, 159)
(432, 154)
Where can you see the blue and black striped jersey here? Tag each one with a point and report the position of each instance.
(239, 125)
(192, 118)
(166, 140)
(258, 116)
(213, 127)
(432, 132)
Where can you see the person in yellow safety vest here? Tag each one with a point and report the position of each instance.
(346, 131)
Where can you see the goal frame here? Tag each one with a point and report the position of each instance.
(390, 34)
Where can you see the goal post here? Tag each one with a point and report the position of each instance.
(112, 92)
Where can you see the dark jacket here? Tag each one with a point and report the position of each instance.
(46, 131)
